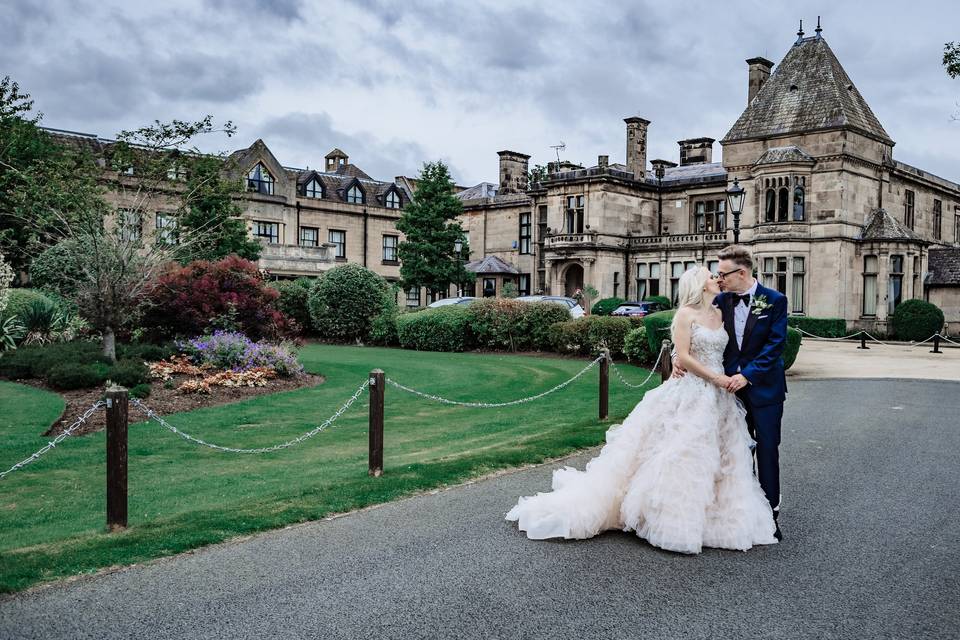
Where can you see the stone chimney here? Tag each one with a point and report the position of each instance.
(758, 74)
(513, 172)
(603, 162)
(666, 164)
(637, 146)
(696, 151)
(335, 159)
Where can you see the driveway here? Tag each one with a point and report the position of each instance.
(871, 517)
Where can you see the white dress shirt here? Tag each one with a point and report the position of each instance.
(741, 312)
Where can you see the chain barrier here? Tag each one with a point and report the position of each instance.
(653, 370)
(66, 433)
(946, 339)
(309, 434)
(491, 405)
(912, 345)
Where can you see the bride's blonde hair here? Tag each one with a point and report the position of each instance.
(690, 293)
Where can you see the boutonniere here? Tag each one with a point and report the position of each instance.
(759, 305)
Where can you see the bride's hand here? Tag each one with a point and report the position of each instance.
(721, 381)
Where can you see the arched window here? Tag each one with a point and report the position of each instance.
(799, 203)
(260, 180)
(314, 189)
(783, 205)
(355, 194)
(770, 213)
(392, 200)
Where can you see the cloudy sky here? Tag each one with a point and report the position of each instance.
(395, 83)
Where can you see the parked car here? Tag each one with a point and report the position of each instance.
(576, 311)
(638, 309)
(455, 300)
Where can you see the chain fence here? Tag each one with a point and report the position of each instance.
(653, 370)
(911, 345)
(66, 433)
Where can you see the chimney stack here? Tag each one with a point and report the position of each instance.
(603, 162)
(759, 71)
(637, 146)
(696, 151)
(513, 172)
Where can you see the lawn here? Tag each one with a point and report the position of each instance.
(182, 496)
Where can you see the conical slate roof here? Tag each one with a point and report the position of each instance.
(880, 225)
(808, 91)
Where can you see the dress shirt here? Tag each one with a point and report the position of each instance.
(741, 312)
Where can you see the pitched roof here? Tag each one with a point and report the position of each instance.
(880, 225)
(944, 267)
(782, 155)
(808, 91)
(491, 264)
(690, 173)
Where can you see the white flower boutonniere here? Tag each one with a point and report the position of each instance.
(760, 305)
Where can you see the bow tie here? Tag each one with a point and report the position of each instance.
(745, 299)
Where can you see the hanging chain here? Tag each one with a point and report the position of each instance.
(653, 370)
(66, 433)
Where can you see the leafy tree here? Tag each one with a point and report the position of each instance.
(427, 255)
(537, 174)
(951, 59)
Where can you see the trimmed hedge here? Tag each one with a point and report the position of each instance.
(661, 299)
(441, 329)
(792, 348)
(76, 365)
(916, 320)
(586, 336)
(503, 324)
(67, 376)
(820, 327)
(636, 347)
(658, 328)
(606, 306)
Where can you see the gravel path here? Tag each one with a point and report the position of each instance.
(871, 517)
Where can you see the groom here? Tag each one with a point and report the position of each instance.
(755, 318)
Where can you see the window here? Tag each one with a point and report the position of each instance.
(782, 204)
(541, 234)
(390, 248)
(870, 267)
(689, 265)
(616, 283)
(908, 202)
(937, 219)
(713, 266)
(917, 293)
(313, 189)
(413, 297)
(166, 229)
(895, 286)
(956, 225)
(393, 199)
(269, 231)
(355, 195)
(676, 270)
(339, 239)
(709, 216)
(489, 287)
(309, 237)
(796, 293)
(770, 213)
(523, 288)
(774, 273)
(525, 233)
(574, 217)
(176, 172)
(260, 180)
(799, 203)
(129, 224)
(127, 171)
(648, 280)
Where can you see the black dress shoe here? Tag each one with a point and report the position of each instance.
(777, 534)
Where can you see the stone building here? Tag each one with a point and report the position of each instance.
(834, 221)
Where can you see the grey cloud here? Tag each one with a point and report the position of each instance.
(287, 10)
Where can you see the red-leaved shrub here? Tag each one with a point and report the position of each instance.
(203, 296)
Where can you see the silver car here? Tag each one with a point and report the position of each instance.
(576, 311)
(455, 300)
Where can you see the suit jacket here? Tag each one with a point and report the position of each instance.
(764, 338)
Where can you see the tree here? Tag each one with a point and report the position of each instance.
(537, 174)
(427, 255)
(951, 59)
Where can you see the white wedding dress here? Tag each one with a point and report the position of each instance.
(678, 471)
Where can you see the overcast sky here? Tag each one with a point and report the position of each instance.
(396, 83)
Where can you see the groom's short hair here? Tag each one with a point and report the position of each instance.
(738, 254)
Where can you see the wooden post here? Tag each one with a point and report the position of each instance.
(863, 341)
(605, 384)
(666, 364)
(117, 406)
(376, 423)
(936, 344)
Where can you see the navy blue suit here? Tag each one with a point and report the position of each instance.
(759, 360)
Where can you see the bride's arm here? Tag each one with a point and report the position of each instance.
(681, 339)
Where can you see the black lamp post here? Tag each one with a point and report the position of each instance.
(458, 247)
(735, 196)
(659, 170)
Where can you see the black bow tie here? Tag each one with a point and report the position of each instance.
(745, 299)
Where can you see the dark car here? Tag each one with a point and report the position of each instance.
(638, 309)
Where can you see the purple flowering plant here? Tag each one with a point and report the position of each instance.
(234, 351)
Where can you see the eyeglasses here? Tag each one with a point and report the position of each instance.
(721, 275)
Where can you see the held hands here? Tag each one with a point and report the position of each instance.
(735, 383)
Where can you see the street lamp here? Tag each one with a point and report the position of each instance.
(735, 196)
(659, 170)
(458, 247)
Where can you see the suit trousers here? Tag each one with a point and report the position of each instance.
(763, 424)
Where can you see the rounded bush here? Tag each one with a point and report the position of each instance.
(606, 332)
(664, 300)
(570, 336)
(498, 324)
(146, 351)
(606, 306)
(658, 328)
(294, 301)
(636, 347)
(129, 373)
(792, 348)
(344, 303)
(67, 376)
(916, 320)
(539, 318)
(441, 329)
(58, 268)
(140, 391)
(20, 301)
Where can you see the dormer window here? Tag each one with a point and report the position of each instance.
(355, 194)
(393, 199)
(260, 180)
(313, 189)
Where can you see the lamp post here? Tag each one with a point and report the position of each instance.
(457, 248)
(735, 196)
(659, 170)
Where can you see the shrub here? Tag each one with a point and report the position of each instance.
(146, 351)
(658, 328)
(194, 299)
(129, 373)
(19, 300)
(67, 376)
(235, 351)
(636, 347)
(916, 320)
(606, 306)
(58, 269)
(792, 348)
(661, 299)
(16, 364)
(822, 327)
(606, 332)
(498, 323)
(35, 361)
(140, 391)
(344, 303)
(570, 336)
(383, 329)
(539, 318)
(294, 301)
(441, 329)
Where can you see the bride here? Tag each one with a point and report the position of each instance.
(678, 471)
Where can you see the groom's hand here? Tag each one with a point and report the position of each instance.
(678, 371)
(736, 383)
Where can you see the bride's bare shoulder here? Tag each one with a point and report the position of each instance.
(685, 313)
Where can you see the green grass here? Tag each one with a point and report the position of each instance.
(182, 496)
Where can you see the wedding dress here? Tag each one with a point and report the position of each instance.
(678, 471)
